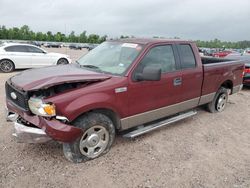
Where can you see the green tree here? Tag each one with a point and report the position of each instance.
(50, 36)
(83, 37)
(72, 37)
(93, 38)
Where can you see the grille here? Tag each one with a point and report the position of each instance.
(21, 100)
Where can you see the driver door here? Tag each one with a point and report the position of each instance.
(151, 100)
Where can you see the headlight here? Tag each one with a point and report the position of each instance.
(38, 107)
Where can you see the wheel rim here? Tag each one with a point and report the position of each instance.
(62, 62)
(94, 141)
(221, 104)
(6, 66)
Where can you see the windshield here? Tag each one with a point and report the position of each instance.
(111, 57)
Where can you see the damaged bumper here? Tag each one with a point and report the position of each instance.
(27, 134)
(36, 129)
(10, 116)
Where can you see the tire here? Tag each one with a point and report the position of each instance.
(97, 139)
(62, 61)
(219, 102)
(6, 66)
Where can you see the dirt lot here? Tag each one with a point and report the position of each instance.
(207, 150)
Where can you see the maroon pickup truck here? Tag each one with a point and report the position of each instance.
(127, 86)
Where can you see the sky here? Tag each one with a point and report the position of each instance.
(227, 20)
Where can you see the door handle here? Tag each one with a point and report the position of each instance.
(177, 81)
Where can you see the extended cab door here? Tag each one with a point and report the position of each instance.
(192, 73)
(151, 100)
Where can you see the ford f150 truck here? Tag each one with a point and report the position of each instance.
(129, 86)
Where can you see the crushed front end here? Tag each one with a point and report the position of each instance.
(33, 128)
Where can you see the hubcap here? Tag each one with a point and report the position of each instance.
(94, 141)
(6, 66)
(221, 104)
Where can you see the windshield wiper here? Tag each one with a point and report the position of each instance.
(90, 66)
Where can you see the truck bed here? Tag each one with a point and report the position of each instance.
(219, 70)
(213, 60)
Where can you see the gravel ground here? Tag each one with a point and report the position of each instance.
(207, 150)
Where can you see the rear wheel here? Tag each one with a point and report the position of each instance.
(219, 102)
(98, 136)
(7, 66)
(62, 61)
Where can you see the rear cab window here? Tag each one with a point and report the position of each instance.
(186, 55)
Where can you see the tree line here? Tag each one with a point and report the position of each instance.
(25, 33)
(216, 43)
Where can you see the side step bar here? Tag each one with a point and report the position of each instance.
(151, 127)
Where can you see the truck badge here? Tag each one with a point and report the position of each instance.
(13, 95)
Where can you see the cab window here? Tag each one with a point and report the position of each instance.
(159, 56)
(187, 56)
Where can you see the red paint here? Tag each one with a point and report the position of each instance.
(139, 97)
(221, 54)
(54, 128)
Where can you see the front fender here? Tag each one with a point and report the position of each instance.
(89, 102)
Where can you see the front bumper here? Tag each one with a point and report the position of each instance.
(38, 129)
(10, 116)
(27, 134)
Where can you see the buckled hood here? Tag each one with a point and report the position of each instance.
(42, 78)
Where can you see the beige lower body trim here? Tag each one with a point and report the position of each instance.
(237, 88)
(206, 98)
(149, 116)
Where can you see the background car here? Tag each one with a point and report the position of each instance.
(221, 53)
(247, 51)
(246, 77)
(75, 46)
(52, 45)
(19, 56)
(89, 46)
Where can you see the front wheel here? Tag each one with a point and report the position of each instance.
(219, 102)
(98, 136)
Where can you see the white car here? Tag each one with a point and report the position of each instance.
(21, 56)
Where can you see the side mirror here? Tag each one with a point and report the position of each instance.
(149, 73)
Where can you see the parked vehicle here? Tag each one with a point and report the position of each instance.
(246, 78)
(75, 46)
(131, 86)
(21, 56)
(89, 46)
(247, 51)
(209, 51)
(35, 43)
(52, 45)
(201, 52)
(221, 53)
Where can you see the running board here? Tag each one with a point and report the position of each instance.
(151, 127)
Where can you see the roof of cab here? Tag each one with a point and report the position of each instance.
(145, 41)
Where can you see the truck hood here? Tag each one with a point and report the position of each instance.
(42, 78)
